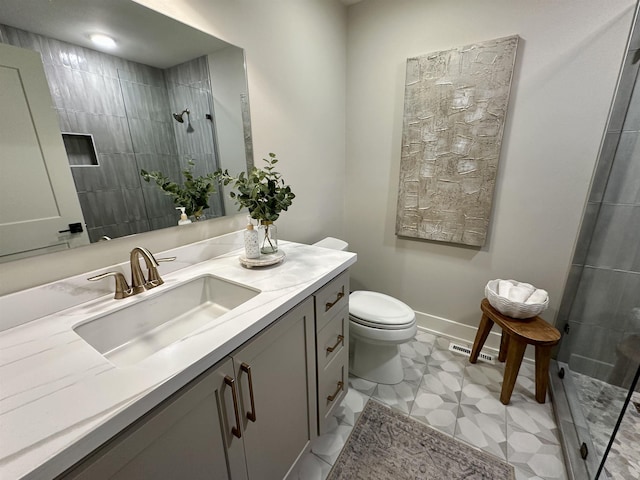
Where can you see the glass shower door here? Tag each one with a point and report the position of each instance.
(600, 309)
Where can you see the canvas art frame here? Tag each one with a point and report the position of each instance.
(455, 105)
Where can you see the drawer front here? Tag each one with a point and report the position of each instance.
(331, 298)
(332, 387)
(333, 339)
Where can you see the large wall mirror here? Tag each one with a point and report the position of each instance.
(162, 95)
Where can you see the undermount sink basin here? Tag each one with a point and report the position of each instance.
(131, 334)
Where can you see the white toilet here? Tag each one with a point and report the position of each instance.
(378, 324)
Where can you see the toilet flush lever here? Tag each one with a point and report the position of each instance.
(328, 305)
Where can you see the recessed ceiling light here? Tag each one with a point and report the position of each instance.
(103, 41)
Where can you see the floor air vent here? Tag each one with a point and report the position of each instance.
(454, 347)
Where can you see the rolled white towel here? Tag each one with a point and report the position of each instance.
(519, 293)
(539, 296)
(504, 286)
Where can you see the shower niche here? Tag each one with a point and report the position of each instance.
(81, 149)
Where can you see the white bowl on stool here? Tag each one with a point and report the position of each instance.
(378, 324)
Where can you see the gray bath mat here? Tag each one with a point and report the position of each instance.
(386, 445)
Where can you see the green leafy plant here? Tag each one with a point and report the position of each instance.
(262, 191)
(193, 195)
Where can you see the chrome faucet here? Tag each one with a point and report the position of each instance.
(138, 281)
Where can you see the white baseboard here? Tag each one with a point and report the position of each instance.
(463, 334)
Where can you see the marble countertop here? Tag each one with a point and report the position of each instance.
(60, 399)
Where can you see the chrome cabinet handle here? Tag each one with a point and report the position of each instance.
(252, 414)
(340, 340)
(331, 398)
(328, 305)
(231, 382)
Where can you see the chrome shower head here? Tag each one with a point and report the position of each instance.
(179, 116)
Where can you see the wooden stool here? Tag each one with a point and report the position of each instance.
(516, 335)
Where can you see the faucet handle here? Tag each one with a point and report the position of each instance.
(154, 278)
(123, 290)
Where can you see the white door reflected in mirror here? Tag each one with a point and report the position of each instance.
(37, 192)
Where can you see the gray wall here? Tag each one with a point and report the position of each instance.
(127, 108)
(566, 71)
(601, 303)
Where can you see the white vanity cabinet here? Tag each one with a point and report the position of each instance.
(248, 417)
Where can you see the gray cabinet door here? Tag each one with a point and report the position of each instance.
(208, 431)
(281, 362)
(184, 437)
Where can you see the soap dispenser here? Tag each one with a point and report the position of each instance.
(251, 244)
(184, 220)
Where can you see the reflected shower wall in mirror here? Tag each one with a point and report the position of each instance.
(128, 108)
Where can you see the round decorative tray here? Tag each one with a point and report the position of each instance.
(263, 261)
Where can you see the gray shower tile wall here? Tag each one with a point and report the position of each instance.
(625, 88)
(150, 124)
(620, 190)
(152, 137)
(189, 87)
(615, 243)
(632, 120)
(601, 295)
(603, 167)
(158, 204)
(602, 315)
(110, 132)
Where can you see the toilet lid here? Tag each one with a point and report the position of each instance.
(378, 310)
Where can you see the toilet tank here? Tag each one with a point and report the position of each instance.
(334, 243)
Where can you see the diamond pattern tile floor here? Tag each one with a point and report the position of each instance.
(442, 389)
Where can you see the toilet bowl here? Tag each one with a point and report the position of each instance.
(378, 324)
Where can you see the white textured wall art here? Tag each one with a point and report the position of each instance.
(454, 111)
